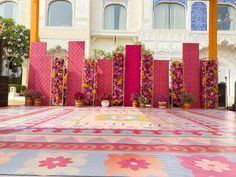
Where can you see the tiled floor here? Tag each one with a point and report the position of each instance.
(117, 142)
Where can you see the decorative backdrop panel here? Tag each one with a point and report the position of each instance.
(199, 16)
(39, 70)
(191, 71)
(104, 79)
(132, 72)
(161, 81)
(118, 79)
(75, 68)
(147, 77)
(209, 84)
(46, 80)
(176, 73)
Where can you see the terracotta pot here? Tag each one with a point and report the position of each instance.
(105, 103)
(37, 102)
(29, 101)
(142, 105)
(162, 104)
(135, 103)
(187, 105)
(79, 103)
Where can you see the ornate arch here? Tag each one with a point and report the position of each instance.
(183, 2)
(51, 1)
(199, 16)
(16, 1)
(230, 2)
(226, 51)
(120, 2)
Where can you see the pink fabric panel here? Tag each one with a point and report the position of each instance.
(39, 70)
(191, 71)
(75, 69)
(104, 79)
(46, 80)
(161, 81)
(132, 72)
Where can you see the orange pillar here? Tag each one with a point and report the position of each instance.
(34, 30)
(212, 55)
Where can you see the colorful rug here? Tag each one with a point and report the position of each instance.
(117, 141)
(132, 164)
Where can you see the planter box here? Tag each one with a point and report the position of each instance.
(1, 53)
(4, 80)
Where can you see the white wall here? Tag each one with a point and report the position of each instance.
(80, 29)
(108, 40)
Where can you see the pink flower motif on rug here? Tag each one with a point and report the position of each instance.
(134, 165)
(204, 166)
(51, 162)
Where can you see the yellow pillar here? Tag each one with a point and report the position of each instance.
(34, 30)
(212, 55)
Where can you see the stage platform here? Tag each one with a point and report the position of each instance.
(117, 141)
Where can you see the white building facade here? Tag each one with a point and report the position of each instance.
(162, 25)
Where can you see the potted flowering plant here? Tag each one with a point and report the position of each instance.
(134, 98)
(37, 97)
(105, 100)
(29, 97)
(79, 99)
(186, 100)
(22, 89)
(142, 101)
(162, 102)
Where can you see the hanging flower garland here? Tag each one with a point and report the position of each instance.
(118, 78)
(89, 81)
(65, 76)
(147, 76)
(57, 84)
(176, 73)
(209, 88)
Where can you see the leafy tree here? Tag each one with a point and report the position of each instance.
(16, 42)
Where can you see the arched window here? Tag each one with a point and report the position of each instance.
(115, 17)
(226, 17)
(60, 13)
(9, 9)
(169, 16)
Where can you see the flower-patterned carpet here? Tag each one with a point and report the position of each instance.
(117, 141)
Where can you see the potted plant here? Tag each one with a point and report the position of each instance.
(29, 97)
(22, 90)
(37, 97)
(79, 99)
(142, 101)
(186, 100)
(134, 98)
(105, 100)
(162, 102)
